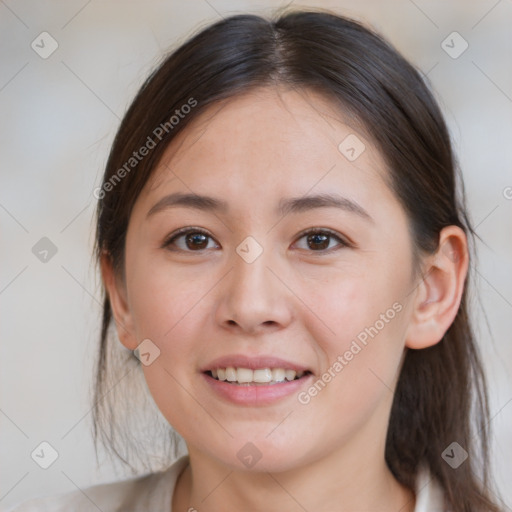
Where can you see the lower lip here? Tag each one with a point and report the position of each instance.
(256, 395)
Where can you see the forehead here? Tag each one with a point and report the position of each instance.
(269, 141)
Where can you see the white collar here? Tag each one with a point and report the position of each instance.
(429, 495)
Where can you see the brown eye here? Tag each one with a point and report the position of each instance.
(321, 241)
(189, 240)
(318, 241)
(196, 241)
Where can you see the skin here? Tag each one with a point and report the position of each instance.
(297, 300)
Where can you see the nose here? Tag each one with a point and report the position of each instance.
(254, 297)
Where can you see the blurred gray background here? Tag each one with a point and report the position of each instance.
(69, 70)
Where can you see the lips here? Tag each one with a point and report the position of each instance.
(255, 381)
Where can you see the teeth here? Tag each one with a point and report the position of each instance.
(290, 374)
(261, 375)
(244, 375)
(264, 375)
(231, 374)
(278, 374)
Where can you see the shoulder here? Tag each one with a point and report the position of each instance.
(429, 495)
(134, 494)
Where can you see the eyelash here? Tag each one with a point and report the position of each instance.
(316, 231)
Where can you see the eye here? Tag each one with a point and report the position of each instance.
(320, 240)
(196, 240)
(190, 240)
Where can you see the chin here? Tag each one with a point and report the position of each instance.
(261, 455)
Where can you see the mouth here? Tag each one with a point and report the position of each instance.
(255, 380)
(240, 376)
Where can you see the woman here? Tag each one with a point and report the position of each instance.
(283, 248)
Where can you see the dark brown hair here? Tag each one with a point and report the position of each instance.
(441, 394)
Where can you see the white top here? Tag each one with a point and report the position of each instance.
(153, 493)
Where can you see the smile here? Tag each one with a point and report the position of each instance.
(259, 376)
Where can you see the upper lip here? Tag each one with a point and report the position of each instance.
(253, 363)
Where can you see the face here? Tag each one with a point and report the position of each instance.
(302, 261)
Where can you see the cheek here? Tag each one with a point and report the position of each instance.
(359, 325)
(165, 309)
(164, 298)
(168, 306)
(349, 303)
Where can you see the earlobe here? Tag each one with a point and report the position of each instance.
(118, 303)
(439, 293)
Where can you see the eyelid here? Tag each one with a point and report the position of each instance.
(343, 240)
(183, 231)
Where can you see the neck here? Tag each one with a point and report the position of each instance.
(339, 481)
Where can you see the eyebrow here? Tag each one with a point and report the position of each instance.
(285, 206)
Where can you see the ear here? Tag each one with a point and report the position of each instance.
(439, 293)
(116, 291)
